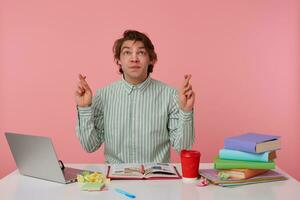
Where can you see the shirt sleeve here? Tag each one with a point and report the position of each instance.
(90, 128)
(181, 126)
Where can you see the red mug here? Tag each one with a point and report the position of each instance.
(190, 164)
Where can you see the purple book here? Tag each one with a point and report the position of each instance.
(252, 142)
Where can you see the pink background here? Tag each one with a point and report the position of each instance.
(243, 55)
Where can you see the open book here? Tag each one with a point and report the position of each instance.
(143, 171)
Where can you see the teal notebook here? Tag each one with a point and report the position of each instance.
(228, 154)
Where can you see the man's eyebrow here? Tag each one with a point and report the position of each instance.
(125, 47)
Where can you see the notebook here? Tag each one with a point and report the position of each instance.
(35, 157)
(269, 176)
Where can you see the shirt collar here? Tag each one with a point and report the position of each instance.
(141, 86)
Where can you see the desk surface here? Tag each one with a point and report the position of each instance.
(16, 186)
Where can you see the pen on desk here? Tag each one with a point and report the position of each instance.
(127, 194)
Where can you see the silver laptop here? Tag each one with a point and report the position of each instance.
(35, 156)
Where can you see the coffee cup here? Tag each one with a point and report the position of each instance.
(190, 165)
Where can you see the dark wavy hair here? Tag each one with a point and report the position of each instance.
(135, 36)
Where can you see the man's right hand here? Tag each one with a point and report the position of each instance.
(83, 94)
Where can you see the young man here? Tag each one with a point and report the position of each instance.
(137, 118)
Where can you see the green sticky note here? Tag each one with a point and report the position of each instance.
(223, 176)
(92, 186)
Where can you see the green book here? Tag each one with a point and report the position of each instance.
(239, 164)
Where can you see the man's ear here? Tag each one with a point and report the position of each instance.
(151, 62)
(118, 62)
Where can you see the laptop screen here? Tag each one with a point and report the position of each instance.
(35, 156)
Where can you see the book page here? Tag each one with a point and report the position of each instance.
(125, 170)
(159, 170)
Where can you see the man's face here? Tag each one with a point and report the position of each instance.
(134, 60)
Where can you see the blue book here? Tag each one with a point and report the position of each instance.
(252, 142)
(228, 154)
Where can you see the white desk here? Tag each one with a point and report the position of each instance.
(16, 186)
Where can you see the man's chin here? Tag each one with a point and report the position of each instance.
(136, 77)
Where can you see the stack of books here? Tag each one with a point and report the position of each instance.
(245, 157)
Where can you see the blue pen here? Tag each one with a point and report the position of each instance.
(132, 196)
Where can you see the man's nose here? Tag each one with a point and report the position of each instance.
(134, 57)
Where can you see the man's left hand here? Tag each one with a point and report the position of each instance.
(186, 95)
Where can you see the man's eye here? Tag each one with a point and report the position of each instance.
(126, 52)
(141, 53)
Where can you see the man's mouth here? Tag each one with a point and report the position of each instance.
(135, 67)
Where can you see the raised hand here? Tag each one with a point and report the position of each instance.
(83, 94)
(186, 95)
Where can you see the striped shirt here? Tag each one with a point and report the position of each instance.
(137, 123)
